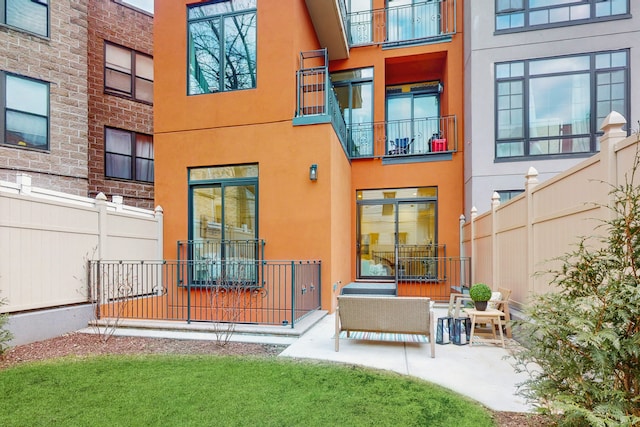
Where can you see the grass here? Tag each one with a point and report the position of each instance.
(227, 391)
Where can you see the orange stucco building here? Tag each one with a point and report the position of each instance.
(329, 129)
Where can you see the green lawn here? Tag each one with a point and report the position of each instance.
(225, 391)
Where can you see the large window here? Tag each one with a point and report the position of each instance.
(128, 73)
(25, 111)
(128, 155)
(413, 117)
(222, 46)
(397, 232)
(354, 89)
(531, 14)
(556, 106)
(223, 224)
(28, 15)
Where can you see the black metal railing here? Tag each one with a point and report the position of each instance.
(316, 101)
(280, 292)
(419, 22)
(397, 138)
(435, 277)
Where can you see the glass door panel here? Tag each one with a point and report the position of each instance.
(396, 230)
(399, 115)
(223, 228)
(376, 241)
(426, 124)
(207, 227)
(416, 237)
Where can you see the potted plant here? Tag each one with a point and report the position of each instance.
(480, 294)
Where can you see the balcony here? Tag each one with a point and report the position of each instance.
(418, 139)
(424, 22)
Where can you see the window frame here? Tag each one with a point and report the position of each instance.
(221, 48)
(4, 109)
(526, 78)
(507, 195)
(132, 155)
(364, 131)
(133, 76)
(3, 18)
(526, 11)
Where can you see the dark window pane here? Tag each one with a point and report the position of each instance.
(118, 141)
(118, 166)
(144, 170)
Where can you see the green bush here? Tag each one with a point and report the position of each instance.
(480, 292)
(5, 335)
(582, 343)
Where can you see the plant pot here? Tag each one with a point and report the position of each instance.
(481, 305)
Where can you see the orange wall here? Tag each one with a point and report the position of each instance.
(299, 219)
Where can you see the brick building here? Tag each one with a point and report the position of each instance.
(120, 49)
(43, 94)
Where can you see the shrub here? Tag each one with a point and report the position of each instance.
(5, 335)
(582, 343)
(480, 292)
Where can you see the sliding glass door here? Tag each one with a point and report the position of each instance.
(223, 225)
(395, 225)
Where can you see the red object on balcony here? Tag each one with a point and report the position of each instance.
(439, 144)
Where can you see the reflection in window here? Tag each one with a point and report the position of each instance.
(354, 90)
(26, 111)
(412, 19)
(506, 195)
(564, 94)
(222, 46)
(522, 14)
(360, 21)
(223, 224)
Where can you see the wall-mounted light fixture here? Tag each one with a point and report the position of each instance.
(313, 172)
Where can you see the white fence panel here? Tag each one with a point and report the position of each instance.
(47, 237)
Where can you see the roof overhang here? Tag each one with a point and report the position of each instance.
(329, 25)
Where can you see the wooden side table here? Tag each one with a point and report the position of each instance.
(490, 315)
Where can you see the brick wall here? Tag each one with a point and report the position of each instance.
(60, 60)
(128, 27)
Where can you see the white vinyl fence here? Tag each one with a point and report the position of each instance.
(514, 242)
(47, 237)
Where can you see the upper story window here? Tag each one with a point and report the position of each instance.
(222, 46)
(128, 73)
(556, 106)
(128, 155)
(25, 111)
(530, 14)
(146, 5)
(28, 15)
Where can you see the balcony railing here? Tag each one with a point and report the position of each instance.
(426, 21)
(400, 138)
(317, 103)
(316, 100)
(283, 292)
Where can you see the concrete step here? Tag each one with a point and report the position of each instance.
(369, 288)
(262, 334)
